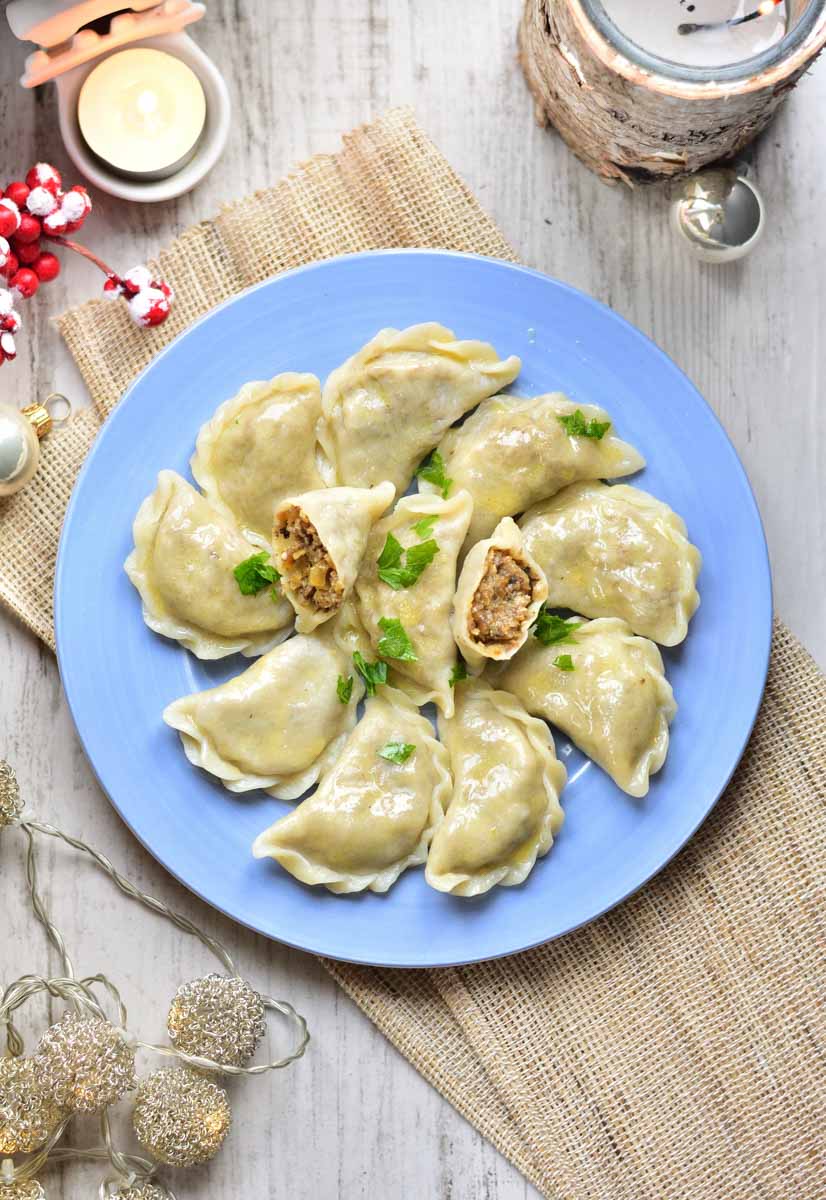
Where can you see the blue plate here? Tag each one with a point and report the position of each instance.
(119, 676)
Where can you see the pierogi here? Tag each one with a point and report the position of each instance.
(182, 565)
(616, 552)
(373, 815)
(389, 405)
(504, 811)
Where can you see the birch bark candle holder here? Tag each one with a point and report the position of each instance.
(630, 111)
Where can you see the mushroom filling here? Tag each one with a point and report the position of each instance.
(306, 568)
(500, 604)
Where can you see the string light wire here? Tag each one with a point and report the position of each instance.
(79, 995)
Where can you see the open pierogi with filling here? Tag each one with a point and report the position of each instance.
(375, 812)
(182, 565)
(319, 540)
(500, 591)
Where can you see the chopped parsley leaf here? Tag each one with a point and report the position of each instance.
(395, 643)
(564, 662)
(551, 629)
(391, 555)
(254, 573)
(344, 688)
(399, 575)
(420, 556)
(458, 673)
(576, 425)
(397, 752)
(424, 528)
(433, 470)
(372, 673)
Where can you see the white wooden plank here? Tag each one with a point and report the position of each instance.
(354, 1119)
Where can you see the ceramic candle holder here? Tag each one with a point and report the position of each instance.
(72, 45)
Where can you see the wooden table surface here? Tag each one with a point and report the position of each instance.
(353, 1119)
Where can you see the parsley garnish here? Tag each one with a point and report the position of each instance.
(254, 573)
(458, 673)
(403, 574)
(576, 425)
(424, 528)
(551, 629)
(344, 688)
(396, 643)
(433, 470)
(372, 673)
(564, 662)
(421, 555)
(391, 555)
(397, 752)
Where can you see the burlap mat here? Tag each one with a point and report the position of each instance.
(668, 1050)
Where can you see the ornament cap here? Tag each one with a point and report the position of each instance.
(40, 418)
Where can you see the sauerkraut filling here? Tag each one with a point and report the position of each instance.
(306, 568)
(501, 602)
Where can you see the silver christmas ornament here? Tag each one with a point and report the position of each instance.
(719, 214)
(11, 806)
(85, 1063)
(27, 1114)
(181, 1118)
(20, 432)
(19, 450)
(219, 1017)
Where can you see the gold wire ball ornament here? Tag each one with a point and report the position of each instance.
(22, 1189)
(85, 1063)
(219, 1017)
(181, 1118)
(27, 1114)
(144, 1190)
(11, 806)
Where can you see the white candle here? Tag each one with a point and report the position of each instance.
(142, 113)
(653, 25)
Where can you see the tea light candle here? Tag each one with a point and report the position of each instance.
(655, 27)
(142, 113)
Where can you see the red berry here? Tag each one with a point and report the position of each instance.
(11, 266)
(26, 282)
(27, 252)
(9, 220)
(29, 230)
(55, 224)
(18, 192)
(46, 267)
(44, 175)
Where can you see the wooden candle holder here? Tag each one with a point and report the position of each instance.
(631, 117)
